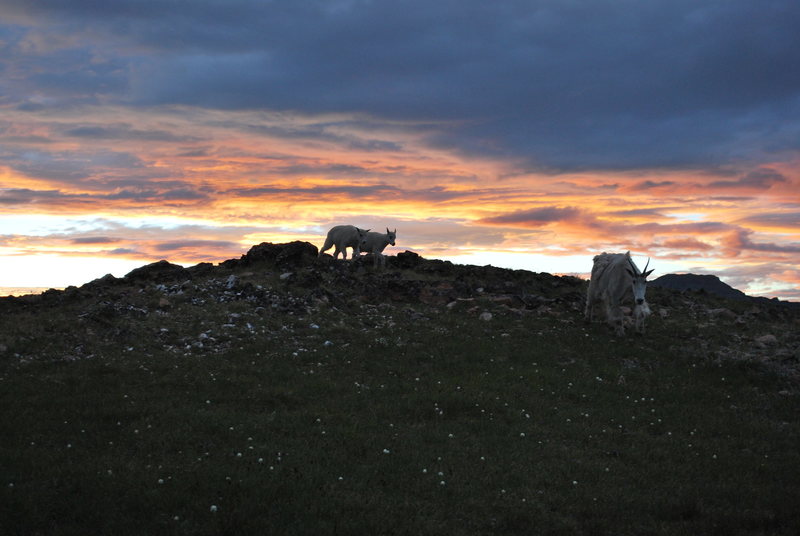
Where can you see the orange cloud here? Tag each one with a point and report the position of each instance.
(691, 244)
(273, 177)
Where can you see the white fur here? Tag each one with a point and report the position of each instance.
(375, 243)
(343, 237)
(615, 278)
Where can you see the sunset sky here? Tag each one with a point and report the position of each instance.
(523, 134)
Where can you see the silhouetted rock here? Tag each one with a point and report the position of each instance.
(201, 269)
(289, 255)
(161, 271)
(407, 259)
(697, 282)
(105, 281)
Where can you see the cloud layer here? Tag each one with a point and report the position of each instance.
(670, 128)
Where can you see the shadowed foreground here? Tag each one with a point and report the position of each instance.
(280, 393)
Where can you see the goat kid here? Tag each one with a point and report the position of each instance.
(375, 243)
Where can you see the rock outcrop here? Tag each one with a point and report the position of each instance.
(703, 283)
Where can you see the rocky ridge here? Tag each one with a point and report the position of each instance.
(280, 291)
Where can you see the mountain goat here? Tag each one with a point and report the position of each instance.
(375, 243)
(616, 278)
(343, 237)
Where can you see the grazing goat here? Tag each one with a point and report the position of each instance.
(343, 237)
(375, 243)
(614, 279)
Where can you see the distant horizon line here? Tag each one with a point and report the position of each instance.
(6, 292)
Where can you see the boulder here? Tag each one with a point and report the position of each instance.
(292, 254)
(160, 271)
(407, 259)
(102, 283)
(200, 269)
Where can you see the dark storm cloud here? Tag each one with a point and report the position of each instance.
(349, 190)
(143, 195)
(24, 196)
(644, 212)
(124, 252)
(68, 166)
(556, 85)
(57, 198)
(124, 132)
(324, 132)
(703, 227)
(198, 152)
(776, 219)
(649, 185)
(384, 192)
(585, 219)
(350, 171)
(199, 245)
(537, 217)
(329, 170)
(761, 179)
(95, 240)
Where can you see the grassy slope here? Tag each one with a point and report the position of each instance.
(390, 418)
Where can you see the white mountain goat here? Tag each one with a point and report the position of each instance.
(375, 243)
(615, 278)
(343, 237)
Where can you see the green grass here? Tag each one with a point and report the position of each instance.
(381, 422)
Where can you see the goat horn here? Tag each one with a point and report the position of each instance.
(646, 265)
